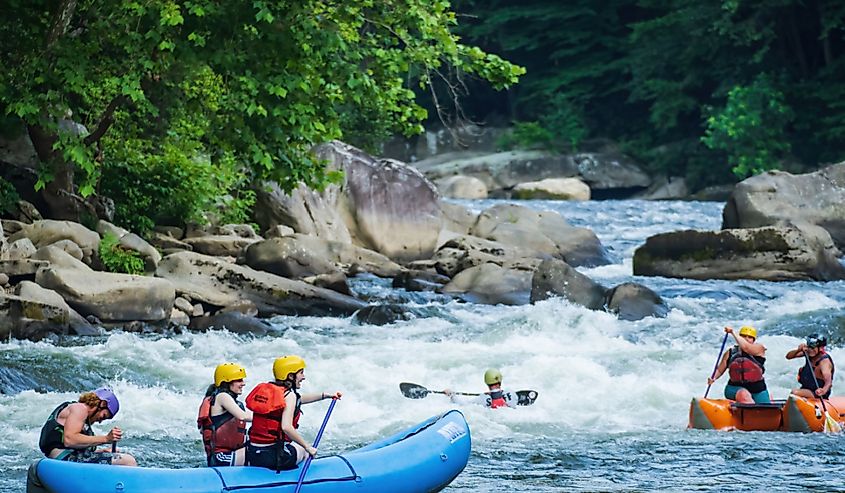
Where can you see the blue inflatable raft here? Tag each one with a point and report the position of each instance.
(424, 458)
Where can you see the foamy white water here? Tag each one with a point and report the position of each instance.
(614, 395)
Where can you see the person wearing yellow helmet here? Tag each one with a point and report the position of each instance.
(745, 364)
(274, 441)
(495, 397)
(822, 368)
(222, 418)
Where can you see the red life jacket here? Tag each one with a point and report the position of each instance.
(221, 433)
(267, 402)
(744, 368)
(497, 399)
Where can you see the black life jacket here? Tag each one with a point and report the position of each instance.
(805, 375)
(746, 370)
(53, 434)
(267, 402)
(221, 433)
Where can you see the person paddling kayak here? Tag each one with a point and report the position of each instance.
(745, 364)
(494, 398)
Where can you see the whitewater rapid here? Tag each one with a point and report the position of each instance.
(604, 385)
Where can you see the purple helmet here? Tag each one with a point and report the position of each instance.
(111, 399)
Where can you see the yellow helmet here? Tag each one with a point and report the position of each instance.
(492, 376)
(286, 365)
(228, 372)
(747, 330)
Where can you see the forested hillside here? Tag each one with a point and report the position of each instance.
(713, 91)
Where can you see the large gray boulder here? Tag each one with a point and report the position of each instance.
(552, 189)
(304, 210)
(610, 171)
(492, 284)
(502, 171)
(456, 220)
(462, 252)
(556, 278)
(462, 187)
(765, 199)
(787, 252)
(300, 256)
(22, 318)
(48, 231)
(389, 207)
(219, 283)
(77, 323)
(110, 297)
(545, 232)
(382, 205)
(220, 245)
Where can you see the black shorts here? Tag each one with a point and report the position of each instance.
(279, 457)
(222, 459)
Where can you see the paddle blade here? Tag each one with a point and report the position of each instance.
(830, 424)
(412, 390)
(526, 397)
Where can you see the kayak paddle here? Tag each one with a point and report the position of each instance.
(830, 424)
(716, 367)
(414, 391)
(316, 442)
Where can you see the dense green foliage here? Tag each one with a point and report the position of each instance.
(8, 196)
(751, 128)
(118, 259)
(196, 87)
(695, 89)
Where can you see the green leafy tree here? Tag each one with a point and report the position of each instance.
(751, 128)
(257, 82)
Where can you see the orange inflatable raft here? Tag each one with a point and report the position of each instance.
(793, 414)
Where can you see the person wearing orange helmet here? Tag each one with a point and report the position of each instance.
(745, 364)
(274, 441)
(222, 418)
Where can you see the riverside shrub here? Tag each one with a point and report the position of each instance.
(118, 259)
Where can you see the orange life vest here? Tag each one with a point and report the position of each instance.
(267, 402)
(221, 433)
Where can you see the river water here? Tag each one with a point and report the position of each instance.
(613, 395)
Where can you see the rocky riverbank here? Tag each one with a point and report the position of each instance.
(386, 219)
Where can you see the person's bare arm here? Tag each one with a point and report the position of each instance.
(752, 348)
(797, 353)
(73, 436)
(287, 424)
(826, 368)
(720, 370)
(228, 403)
(309, 398)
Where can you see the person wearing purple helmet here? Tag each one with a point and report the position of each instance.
(67, 434)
